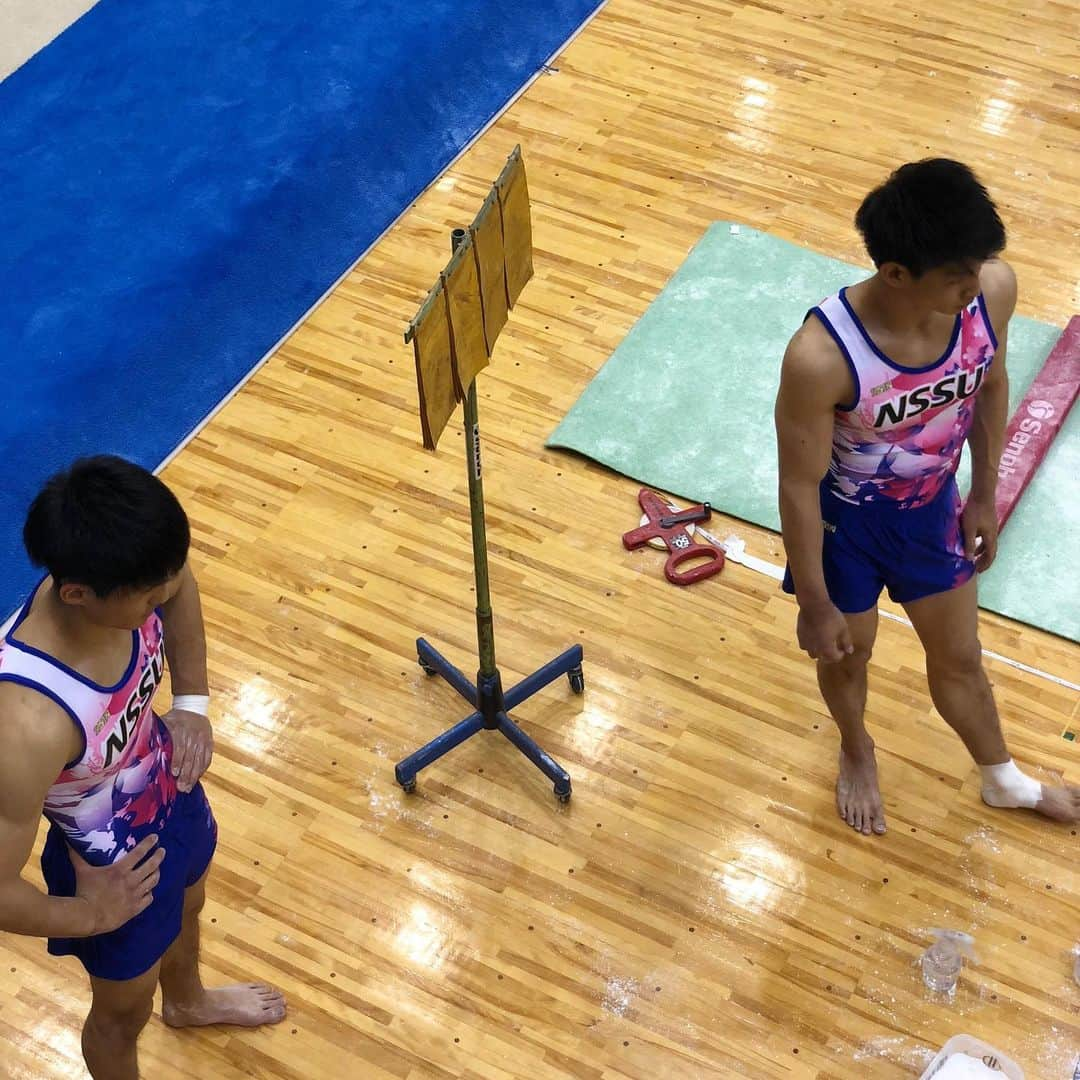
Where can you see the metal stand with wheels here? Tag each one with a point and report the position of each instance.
(490, 703)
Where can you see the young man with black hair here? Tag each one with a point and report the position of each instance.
(880, 388)
(131, 833)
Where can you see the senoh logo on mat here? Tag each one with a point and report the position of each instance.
(1029, 428)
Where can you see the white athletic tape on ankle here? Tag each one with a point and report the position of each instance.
(196, 703)
(1006, 786)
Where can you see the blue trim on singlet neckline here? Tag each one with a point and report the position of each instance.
(21, 680)
(986, 319)
(30, 650)
(892, 363)
(847, 356)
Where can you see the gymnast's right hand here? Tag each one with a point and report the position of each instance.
(118, 892)
(824, 633)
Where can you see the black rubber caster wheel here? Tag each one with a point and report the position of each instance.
(426, 668)
(576, 678)
(409, 787)
(563, 796)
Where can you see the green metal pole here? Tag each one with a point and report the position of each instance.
(485, 629)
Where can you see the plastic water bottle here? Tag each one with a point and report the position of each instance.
(941, 963)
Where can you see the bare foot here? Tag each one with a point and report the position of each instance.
(858, 799)
(1059, 803)
(248, 1005)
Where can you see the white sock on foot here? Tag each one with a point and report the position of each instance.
(1006, 786)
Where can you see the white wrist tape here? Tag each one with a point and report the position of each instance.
(1006, 786)
(196, 703)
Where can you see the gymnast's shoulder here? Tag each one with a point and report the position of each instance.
(813, 359)
(997, 280)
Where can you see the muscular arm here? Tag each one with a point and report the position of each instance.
(990, 415)
(185, 638)
(40, 740)
(809, 390)
(991, 411)
(813, 379)
(185, 650)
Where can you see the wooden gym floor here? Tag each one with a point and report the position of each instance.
(697, 910)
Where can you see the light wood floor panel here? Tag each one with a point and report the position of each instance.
(697, 910)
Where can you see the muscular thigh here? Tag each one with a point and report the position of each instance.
(948, 625)
(195, 895)
(119, 1000)
(863, 627)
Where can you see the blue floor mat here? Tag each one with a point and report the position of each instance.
(180, 182)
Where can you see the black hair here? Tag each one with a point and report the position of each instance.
(928, 214)
(108, 524)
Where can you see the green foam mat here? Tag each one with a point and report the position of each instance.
(685, 404)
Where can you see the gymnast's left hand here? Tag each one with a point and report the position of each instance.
(980, 528)
(193, 746)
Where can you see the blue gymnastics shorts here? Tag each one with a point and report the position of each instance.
(189, 838)
(914, 553)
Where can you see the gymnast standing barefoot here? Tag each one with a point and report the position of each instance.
(880, 388)
(131, 833)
